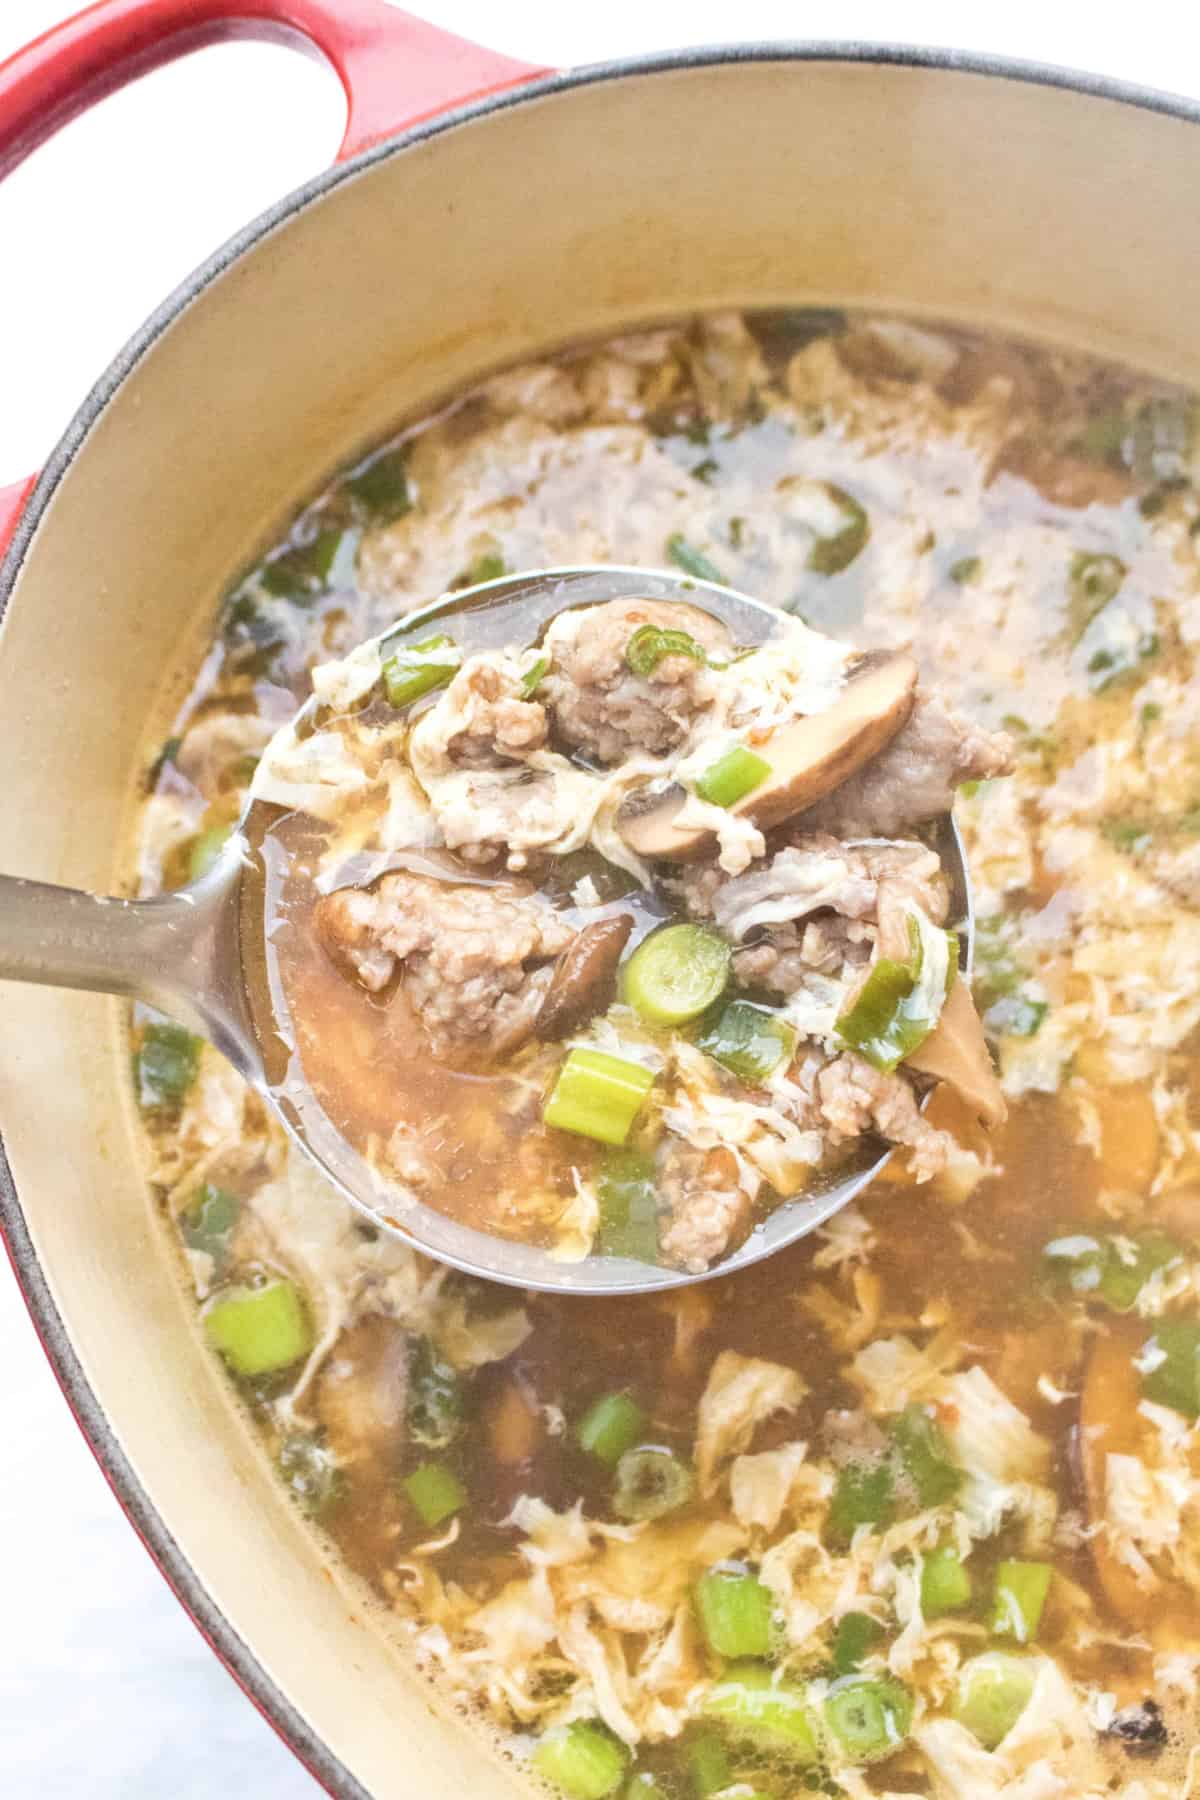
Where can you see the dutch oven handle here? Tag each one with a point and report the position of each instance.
(395, 69)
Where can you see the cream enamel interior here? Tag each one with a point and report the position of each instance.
(636, 197)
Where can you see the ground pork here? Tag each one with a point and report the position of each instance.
(815, 906)
(783, 961)
(494, 723)
(707, 1207)
(600, 706)
(914, 778)
(856, 1098)
(476, 961)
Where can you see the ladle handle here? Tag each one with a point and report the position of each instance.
(176, 952)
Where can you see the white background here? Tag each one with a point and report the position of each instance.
(106, 1691)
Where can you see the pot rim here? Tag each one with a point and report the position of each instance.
(231, 1649)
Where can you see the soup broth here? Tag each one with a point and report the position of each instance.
(915, 1506)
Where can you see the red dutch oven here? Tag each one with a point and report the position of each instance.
(480, 211)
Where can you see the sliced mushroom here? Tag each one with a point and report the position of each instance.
(808, 759)
(585, 978)
(362, 1395)
(956, 1052)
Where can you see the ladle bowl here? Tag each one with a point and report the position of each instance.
(184, 953)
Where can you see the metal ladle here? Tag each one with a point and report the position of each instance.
(182, 953)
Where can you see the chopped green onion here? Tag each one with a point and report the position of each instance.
(206, 848)
(838, 524)
(1108, 1269)
(259, 1330)
(863, 1496)
(748, 1040)
(380, 485)
(207, 1222)
(310, 1473)
(831, 554)
(436, 1407)
(869, 1716)
(1018, 1598)
(303, 570)
(926, 1456)
(945, 1582)
(166, 756)
(610, 1426)
(856, 1635)
(708, 1765)
(900, 1003)
(731, 777)
(966, 570)
(491, 566)
(993, 1691)
(1016, 1016)
(643, 1785)
(650, 643)
(165, 1065)
(584, 1760)
(734, 1610)
(628, 1206)
(531, 680)
(651, 1481)
(1163, 438)
(753, 1709)
(415, 669)
(1170, 1366)
(676, 973)
(597, 1096)
(435, 1491)
(692, 562)
(1124, 1278)
(1093, 580)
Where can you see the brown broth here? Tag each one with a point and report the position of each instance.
(977, 529)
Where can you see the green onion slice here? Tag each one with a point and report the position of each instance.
(259, 1330)
(650, 643)
(1018, 1598)
(1170, 1365)
(756, 1710)
(900, 1003)
(610, 1427)
(165, 1065)
(868, 1715)
(864, 1495)
(207, 1223)
(436, 1405)
(583, 1759)
(692, 561)
(531, 680)
(310, 1472)
(435, 1491)
(748, 1040)
(734, 775)
(925, 1455)
(651, 1481)
(945, 1582)
(993, 1691)
(415, 669)
(628, 1201)
(597, 1096)
(676, 973)
(856, 1635)
(734, 1610)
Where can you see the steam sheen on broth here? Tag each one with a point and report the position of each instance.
(914, 1507)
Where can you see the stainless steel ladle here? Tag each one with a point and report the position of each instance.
(182, 953)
